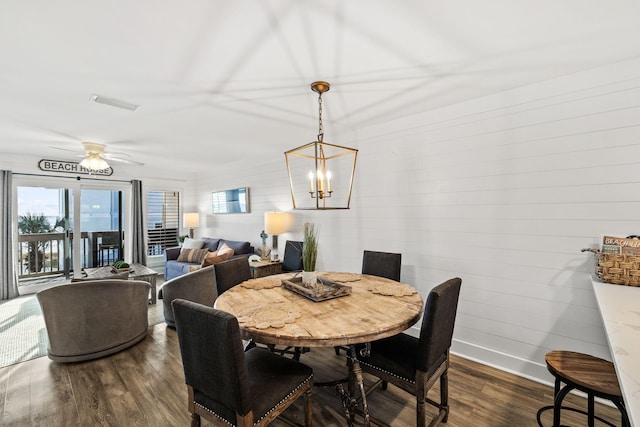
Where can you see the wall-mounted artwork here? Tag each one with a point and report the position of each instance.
(231, 201)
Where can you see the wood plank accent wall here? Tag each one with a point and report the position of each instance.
(502, 191)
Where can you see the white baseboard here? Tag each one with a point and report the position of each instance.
(505, 362)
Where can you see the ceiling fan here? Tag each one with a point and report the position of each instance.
(96, 156)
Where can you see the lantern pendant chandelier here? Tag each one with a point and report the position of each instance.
(321, 174)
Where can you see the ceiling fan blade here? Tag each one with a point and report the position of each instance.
(115, 154)
(76, 154)
(110, 156)
(121, 160)
(63, 149)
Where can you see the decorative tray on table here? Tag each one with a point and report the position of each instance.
(322, 291)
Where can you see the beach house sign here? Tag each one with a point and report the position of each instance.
(70, 167)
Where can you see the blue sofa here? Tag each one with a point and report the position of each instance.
(173, 268)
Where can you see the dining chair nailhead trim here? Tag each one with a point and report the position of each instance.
(387, 372)
(214, 414)
(285, 398)
(267, 413)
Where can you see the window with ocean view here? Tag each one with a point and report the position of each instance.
(47, 229)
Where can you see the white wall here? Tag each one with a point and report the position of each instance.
(502, 191)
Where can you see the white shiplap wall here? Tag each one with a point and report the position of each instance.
(502, 191)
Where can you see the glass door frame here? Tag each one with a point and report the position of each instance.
(76, 186)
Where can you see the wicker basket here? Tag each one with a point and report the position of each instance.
(619, 269)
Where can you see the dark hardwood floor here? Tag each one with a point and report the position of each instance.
(144, 386)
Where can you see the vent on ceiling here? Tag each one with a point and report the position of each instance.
(114, 102)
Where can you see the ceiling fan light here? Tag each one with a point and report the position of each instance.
(94, 162)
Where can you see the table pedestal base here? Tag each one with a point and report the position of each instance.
(348, 397)
(355, 380)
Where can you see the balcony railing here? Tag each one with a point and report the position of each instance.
(42, 254)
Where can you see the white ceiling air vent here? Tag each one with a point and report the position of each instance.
(114, 102)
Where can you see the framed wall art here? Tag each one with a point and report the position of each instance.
(231, 201)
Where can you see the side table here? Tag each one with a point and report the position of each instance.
(138, 272)
(264, 268)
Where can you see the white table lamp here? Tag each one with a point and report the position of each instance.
(275, 223)
(191, 220)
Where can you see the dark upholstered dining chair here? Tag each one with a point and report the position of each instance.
(292, 260)
(231, 273)
(415, 364)
(382, 264)
(228, 386)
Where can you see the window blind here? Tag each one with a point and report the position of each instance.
(163, 220)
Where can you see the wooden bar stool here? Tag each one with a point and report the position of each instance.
(594, 376)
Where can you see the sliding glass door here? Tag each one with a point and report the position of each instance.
(43, 222)
(64, 226)
(101, 219)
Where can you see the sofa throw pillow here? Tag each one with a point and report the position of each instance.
(225, 249)
(211, 242)
(192, 255)
(192, 244)
(237, 246)
(214, 258)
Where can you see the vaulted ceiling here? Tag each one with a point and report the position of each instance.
(218, 81)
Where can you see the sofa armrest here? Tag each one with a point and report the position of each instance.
(172, 254)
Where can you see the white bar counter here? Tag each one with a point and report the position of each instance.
(620, 310)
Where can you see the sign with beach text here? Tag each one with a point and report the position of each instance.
(70, 167)
(620, 245)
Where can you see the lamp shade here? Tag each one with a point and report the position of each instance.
(191, 220)
(276, 223)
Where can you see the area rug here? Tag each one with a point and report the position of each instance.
(23, 334)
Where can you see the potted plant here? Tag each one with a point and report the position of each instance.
(309, 254)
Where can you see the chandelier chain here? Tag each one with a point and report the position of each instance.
(320, 127)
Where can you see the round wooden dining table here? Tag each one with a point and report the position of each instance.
(375, 308)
